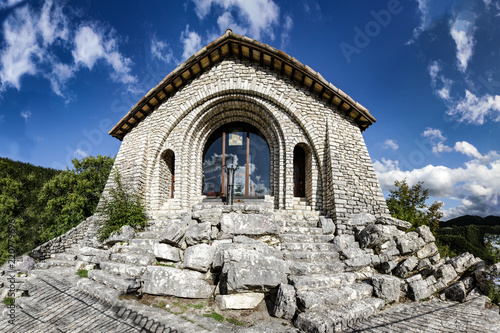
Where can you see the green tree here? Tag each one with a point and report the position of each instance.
(73, 195)
(119, 207)
(408, 203)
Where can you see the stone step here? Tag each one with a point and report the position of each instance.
(332, 297)
(312, 282)
(323, 267)
(64, 256)
(301, 238)
(147, 235)
(301, 223)
(338, 318)
(301, 207)
(112, 267)
(123, 284)
(310, 255)
(98, 290)
(143, 241)
(56, 263)
(137, 249)
(317, 247)
(134, 259)
(302, 230)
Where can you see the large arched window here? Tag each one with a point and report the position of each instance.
(245, 146)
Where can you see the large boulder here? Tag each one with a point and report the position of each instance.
(374, 235)
(169, 281)
(409, 243)
(173, 232)
(212, 215)
(463, 262)
(389, 220)
(406, 267)
(427, 251)
(198, 233)
(250, 270)
(199, 257)
(425, 233)
(238, 301)
(166, 252)
(22, 265)
(456, 292)
(386, 287)
(419, 288)
(327, 225)
(248, 224)
(359, 221)
(123, 235)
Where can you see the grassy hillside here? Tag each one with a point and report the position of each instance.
(38, 204)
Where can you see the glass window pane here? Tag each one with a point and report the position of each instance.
(212, 169)
(259, 165)
(236, 153)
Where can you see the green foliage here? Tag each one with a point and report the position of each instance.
(9, 301)
(220, 318)
(469, 238)
(38, 204)
(120, 206)
(408, 204)
(83, 273)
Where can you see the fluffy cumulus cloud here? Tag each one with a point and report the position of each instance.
(476, 110)
(462, 31)
(436, 137)
(253, 17)
(32, 36)
(191, 43)
(476, 185)
(439, 82)
(390, 144)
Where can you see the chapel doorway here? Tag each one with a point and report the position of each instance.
(239, 144)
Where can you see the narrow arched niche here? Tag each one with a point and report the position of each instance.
(168, 174)
(302, 171)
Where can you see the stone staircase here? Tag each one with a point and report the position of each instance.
(330, 298)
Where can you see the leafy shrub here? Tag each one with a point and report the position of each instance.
(83, 273)
(119, 207)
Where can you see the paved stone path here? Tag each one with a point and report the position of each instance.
(56, 305)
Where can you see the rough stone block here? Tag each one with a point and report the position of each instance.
(199, 257)
(248, 224)
(238, 301)
(285, 305)
(123, 235)
(327, 225)
(427, 251)
(406, 267)
(387, 287)
(166, 252)
(198, 233)
(374, 235)
(463, 262)
(426, 234)
(211, 215)
(409, 243)
(456, 292)
(389, 220)
(169, 281)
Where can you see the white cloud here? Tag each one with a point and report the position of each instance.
(467, 149)
(92, 44)
(161, 50)
(226, 21)
(257, 16)
(441, 148)
(9, 3)
(433, 134)
(390, 144)
(462, 32)
(474, 110)
(423, 10)
(285, 34)
(476, 184)
(80, 153)
(487, 3)
(191, 42)
(26, 115)
(440, 80)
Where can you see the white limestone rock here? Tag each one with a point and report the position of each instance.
(463, 262)
(238, 301)
(199, 257)
(456, 292)
(166, 252)
(173, 233)
(387, 287)
(123, 235)
(374, 235)
(406, 267)
(248, 224)
(426, 234)
(285, 304)
(327, 225)
(427, 251)
(169, 281)
(211, 215)
(419, 288)
(198, 233)
(389, 220)
(409, 243)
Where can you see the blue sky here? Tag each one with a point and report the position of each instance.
(428, 70)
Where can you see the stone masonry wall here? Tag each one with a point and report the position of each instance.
(287, 114)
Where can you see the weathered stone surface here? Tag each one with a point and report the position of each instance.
(327, 225)
(23, 264)
(427, 251)
(248, 224)
(285, 305)
(389, 220)
(387, 266)
(355, 258)
(445, 273)
(199, 257)
(342, 242)
(169, 281)
(173, 233)
(419, 289)
(166, 252)
(456, 292)
(358, 222)
(198, 233)
(463, 262)
(211, 215)
(374, 235)
(426, 234)
(387, 287)
(123, 235)
(238, 301)
(134, 259)
(468, 283)
(250, 270)
(409, 243)
(388, 251)
(406, 267)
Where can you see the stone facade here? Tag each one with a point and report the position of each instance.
(340, 179)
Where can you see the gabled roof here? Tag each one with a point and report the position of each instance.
(242, 47)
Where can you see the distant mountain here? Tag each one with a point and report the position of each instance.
(470, 219)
